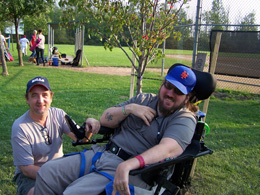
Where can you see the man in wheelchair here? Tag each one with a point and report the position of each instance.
(150, 129)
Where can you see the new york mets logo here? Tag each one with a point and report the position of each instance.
(184, 75)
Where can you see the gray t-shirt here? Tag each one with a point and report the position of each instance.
(136, 137)
(28, 142)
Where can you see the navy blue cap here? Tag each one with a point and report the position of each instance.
(38, 81)
(183, 78)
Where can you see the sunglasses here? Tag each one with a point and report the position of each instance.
(170, 86)
(46, 137)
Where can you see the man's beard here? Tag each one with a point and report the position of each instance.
(168, 111)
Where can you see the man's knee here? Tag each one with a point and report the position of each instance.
(31, 191)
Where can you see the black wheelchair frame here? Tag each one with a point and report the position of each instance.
(158, 174)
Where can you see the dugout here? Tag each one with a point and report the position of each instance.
(239, 53)
(79, 38)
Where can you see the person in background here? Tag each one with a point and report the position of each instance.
(32, 42)
(152, 128)
(55, 52)
(40, 39)
(4, 44)
(24, 41)
(37, 134)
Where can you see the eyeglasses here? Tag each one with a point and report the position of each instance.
(170, 86)
(46, 137)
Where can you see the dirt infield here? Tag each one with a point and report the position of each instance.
(105, 70)
(225, 82)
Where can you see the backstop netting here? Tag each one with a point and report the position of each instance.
(239, 53)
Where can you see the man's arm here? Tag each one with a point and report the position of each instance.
(72, 136)
(167, 148)
(30, 170)
(113, 116)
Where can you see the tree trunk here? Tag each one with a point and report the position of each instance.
(139, 83)
(2, 59)
(5, 72)
(18, 43)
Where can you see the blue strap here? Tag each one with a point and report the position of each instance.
(82, 163)
(94, 159)
(93, 168)
(109, 186)
(70, 154)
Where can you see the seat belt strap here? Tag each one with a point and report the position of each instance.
(82, 163)
(93, 168)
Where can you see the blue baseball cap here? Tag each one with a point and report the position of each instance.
(38, 81)
(182, 77)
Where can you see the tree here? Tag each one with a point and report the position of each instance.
(2, 58)
(248, 22)
(217, 15)
(36, 22)
(145, 22)
(185, 40)
(14, 11)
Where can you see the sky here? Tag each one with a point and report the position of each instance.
(238, 9)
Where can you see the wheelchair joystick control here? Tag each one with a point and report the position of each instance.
(79, 131)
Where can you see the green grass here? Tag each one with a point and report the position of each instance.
(233, 168)
(98, 56)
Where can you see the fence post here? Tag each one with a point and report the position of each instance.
(132, 75)
(212, 70)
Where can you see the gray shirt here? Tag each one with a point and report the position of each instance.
(136, 137)
(28, 142)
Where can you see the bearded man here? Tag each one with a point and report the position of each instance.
(151, 128)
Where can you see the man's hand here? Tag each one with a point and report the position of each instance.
(121, 180)
(92, 125)
(144, 112)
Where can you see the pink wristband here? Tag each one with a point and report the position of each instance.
(141, 160)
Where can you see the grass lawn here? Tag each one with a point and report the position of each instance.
(98, 56)
(233, 168)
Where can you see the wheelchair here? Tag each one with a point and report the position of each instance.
(172, 176)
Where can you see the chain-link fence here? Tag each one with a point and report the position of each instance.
(226, 15)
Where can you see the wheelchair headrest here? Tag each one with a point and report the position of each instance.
(205, 84)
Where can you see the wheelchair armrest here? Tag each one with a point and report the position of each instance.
(204, 150)
(191, 152)
(106, 130)
(79, 132)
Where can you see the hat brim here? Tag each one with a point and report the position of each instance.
(177, 84)
(37, 84)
